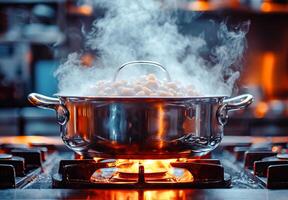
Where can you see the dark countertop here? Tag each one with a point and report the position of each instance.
(159, 194)
(195, 194)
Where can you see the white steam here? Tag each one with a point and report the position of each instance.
(145, 30)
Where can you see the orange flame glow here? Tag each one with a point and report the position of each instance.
(261, 109)
(266, 7)
(160, 124)
(31, 139)
(170, 194)
(150, 165)
(153, 169)
(268, 73)
(132, 170)
(199, 5)
(140, 194)
(86, 10)
(270, 6)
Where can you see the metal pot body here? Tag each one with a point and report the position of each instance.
(141, 128)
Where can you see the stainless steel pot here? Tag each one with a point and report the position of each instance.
(141, 127)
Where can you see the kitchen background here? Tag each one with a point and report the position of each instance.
(37, 35)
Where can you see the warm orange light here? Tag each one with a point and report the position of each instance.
(150, 165)
(270, 6)
(160, 124)
(261, 109)
(86, 9)
(87, 60)
(258, 140)
(268, 73)
(31, 139)
(276, 149)
(97, 159)
(155, 195)
(82, 10)
(139, 194)
(154, 170)
(199, 5)
(266, 7)
(119, 194)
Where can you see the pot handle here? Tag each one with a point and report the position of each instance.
(50, 103)
(239, 102)
(232, 104)
(143, 62)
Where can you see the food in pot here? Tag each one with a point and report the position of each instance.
(148, 85)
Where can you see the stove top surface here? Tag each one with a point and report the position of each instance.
(251, 164)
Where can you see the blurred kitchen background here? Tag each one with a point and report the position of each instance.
(36, 35)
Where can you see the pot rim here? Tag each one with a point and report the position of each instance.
(140, 97)
(194, 99)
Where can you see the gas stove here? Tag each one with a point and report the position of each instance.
(240, 164)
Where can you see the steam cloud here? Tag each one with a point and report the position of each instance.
(145, 30)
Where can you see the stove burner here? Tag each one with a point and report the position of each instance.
(114, 174)
(204, 173)
(20, 164)
(252, 156)
(266, 163)
(4, 156)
